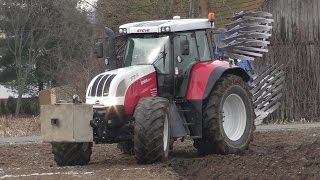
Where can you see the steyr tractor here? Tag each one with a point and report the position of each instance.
(180, 79)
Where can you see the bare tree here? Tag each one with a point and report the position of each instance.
(43, 36)
(113, 13)
(26, 26)
(204, 8)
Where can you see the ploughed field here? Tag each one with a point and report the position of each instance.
(285, 154)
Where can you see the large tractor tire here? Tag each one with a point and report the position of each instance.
(228, 118)
(151, 131)
(71, 154)
(126, 147)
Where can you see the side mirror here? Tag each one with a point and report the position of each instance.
(106, 61)
(184, 45)
(99, 49)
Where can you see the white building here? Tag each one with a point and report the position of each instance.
(5, 93)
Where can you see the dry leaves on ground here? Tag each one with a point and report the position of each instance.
(19, 126)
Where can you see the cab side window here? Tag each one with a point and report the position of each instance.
(189, 59)
(203, 45)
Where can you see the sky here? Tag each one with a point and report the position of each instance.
(87, 4)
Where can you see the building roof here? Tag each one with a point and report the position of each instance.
(175, 25)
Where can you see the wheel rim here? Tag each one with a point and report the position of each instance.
(165, 133)
(234, 117)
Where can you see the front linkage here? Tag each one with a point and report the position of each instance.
(111, 125)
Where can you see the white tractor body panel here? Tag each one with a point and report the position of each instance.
(109, 88)
(175, 25)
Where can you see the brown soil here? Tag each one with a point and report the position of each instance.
(272, 155)
(291, 154)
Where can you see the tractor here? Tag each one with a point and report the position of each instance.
(180, 78)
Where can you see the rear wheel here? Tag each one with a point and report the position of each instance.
(71, 154)
(152, 131)
(228, 118)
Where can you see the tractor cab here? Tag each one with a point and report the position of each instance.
(172, 47)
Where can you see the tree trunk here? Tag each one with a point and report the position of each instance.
(204, 7)
(40, 85)
(22, 79)
(18, 105)
(191, 9)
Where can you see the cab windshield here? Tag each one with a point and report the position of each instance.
(148, 49)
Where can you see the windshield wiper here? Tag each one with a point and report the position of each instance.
(141, 64)
(163, 55)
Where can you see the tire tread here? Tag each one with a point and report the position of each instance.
(71, 154)
(149, 122)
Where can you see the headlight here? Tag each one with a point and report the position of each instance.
(123, 31)
(165, 29)
(89, 101)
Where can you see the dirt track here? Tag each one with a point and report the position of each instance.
(293, 154)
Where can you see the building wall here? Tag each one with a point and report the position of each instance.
(295, 43)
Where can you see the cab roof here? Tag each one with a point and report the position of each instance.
(163, 26)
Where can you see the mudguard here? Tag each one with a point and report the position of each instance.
(204, 75)
(266, 88)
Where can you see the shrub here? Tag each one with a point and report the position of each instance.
(29, 106)
(11, 105)
(3, 108)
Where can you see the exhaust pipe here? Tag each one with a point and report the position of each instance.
(111, 48)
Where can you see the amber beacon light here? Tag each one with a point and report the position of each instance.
(211, 17)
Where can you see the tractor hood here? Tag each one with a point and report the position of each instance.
(109, 88)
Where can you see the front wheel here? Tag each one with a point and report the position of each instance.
(228, 118)
(71, 154)
(152, 131)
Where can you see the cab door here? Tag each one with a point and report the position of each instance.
(185, 56)
(189, 48)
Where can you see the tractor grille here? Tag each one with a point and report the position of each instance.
(101, 85)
